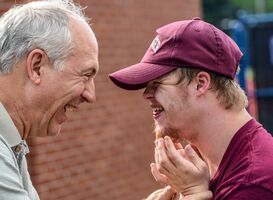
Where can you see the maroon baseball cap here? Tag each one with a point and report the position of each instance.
(189, 43)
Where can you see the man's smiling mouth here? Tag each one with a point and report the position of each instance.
(157, 110)
(70, 108)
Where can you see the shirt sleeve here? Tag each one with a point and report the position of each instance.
(244, 192)
(11, 186)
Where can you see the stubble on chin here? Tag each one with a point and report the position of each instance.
(161, 132)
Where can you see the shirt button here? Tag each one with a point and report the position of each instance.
(18, 149)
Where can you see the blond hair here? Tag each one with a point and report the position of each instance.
(228, 91)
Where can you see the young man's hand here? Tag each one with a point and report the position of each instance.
(169, 194)
(166, 193)
(182, 169)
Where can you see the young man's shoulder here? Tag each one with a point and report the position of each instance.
(247, 163)
(250, 156)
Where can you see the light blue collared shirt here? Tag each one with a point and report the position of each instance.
(15, 183)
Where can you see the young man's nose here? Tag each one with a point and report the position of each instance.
(149, 92)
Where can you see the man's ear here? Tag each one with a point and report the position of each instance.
(36, 59)
(203, 81)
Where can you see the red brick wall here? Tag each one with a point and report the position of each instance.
(105, 149)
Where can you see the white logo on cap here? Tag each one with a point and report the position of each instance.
(155, 44)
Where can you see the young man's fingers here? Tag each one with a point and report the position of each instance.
(182, 152)
(194, 158)
(163, 162)
(178, 145)
(160, 178)
(167, 194)
(162, 194)
(156, 155)
(158, 159)
(174, 156)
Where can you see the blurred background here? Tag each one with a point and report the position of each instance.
(105, 149)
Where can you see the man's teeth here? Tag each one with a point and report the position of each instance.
(69, 107)
(158, 109)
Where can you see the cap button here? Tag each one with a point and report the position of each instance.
(196, 18)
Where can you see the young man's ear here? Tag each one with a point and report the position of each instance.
(203, 82)
(36, 59)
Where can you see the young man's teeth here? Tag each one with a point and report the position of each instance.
(158, 109)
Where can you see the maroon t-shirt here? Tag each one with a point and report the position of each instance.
(246, 170)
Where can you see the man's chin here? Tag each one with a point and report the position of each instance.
(161, 132)
(54, 131)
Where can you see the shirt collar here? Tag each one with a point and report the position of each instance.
(7, 128)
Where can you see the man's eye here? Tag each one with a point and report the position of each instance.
(156, 83)
(88, 75)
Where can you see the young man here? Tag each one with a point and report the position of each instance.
(189, 72)
(48, 61)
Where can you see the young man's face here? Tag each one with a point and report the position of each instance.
(170, 104)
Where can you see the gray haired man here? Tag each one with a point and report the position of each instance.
(48, 62)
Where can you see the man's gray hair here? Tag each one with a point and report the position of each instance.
(39, 24)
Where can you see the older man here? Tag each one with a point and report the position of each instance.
(48, 61)
(189, 72)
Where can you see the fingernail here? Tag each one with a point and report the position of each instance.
(188, 148)
(168, 187)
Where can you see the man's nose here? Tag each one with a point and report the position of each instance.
(89, 93)
(149, 92)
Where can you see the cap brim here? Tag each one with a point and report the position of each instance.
(137, 76)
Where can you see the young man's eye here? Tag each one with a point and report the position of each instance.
(155, 84)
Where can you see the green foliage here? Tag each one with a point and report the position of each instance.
(269, 6)
(217, 10)
(248, 5)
